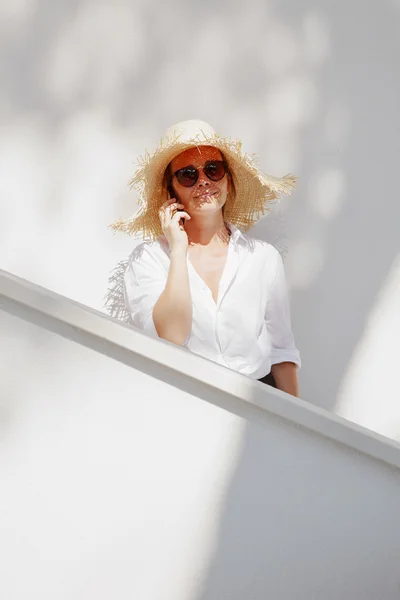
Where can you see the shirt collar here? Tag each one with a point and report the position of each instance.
(236, 234)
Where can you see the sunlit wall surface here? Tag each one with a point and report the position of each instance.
(114, 484)
(312, 88)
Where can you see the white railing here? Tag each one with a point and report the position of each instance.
(173, 365)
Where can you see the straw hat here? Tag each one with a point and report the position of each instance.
(248, 199)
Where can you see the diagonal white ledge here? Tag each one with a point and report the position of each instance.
(175, 366)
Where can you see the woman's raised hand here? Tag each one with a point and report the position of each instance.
(171, 214)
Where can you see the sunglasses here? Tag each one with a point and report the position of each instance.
(214, 169)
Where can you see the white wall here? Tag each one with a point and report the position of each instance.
(311, 88)
(114, 484)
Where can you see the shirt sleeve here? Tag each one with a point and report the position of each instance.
(144, 281)
(278, 322)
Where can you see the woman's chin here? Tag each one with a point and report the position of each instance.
(211, 204)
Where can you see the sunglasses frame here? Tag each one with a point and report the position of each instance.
(208, 162)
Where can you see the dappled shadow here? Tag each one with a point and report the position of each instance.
(287, 79)
(339, 235)
(341, 226)
(114, 300)
(312, 89)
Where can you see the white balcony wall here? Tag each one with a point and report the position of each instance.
(116, 484)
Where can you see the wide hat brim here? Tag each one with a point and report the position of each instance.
(254, 191)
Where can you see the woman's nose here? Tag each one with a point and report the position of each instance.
(203, 179)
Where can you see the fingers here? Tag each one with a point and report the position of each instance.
(180, 214)
(172, 219)
(168, 203)
(174, 206)
(168, 210)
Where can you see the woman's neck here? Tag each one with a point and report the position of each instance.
(206, 230)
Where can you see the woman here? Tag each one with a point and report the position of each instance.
(198, 281)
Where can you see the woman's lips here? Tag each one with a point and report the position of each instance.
(206, 194)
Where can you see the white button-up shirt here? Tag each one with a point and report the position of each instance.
(248, 329)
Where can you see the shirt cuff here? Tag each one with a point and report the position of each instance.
(280, 356)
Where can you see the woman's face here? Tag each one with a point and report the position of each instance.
(204, 195)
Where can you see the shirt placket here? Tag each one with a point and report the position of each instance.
(227, 279)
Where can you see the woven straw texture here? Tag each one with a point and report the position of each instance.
(253, 190)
